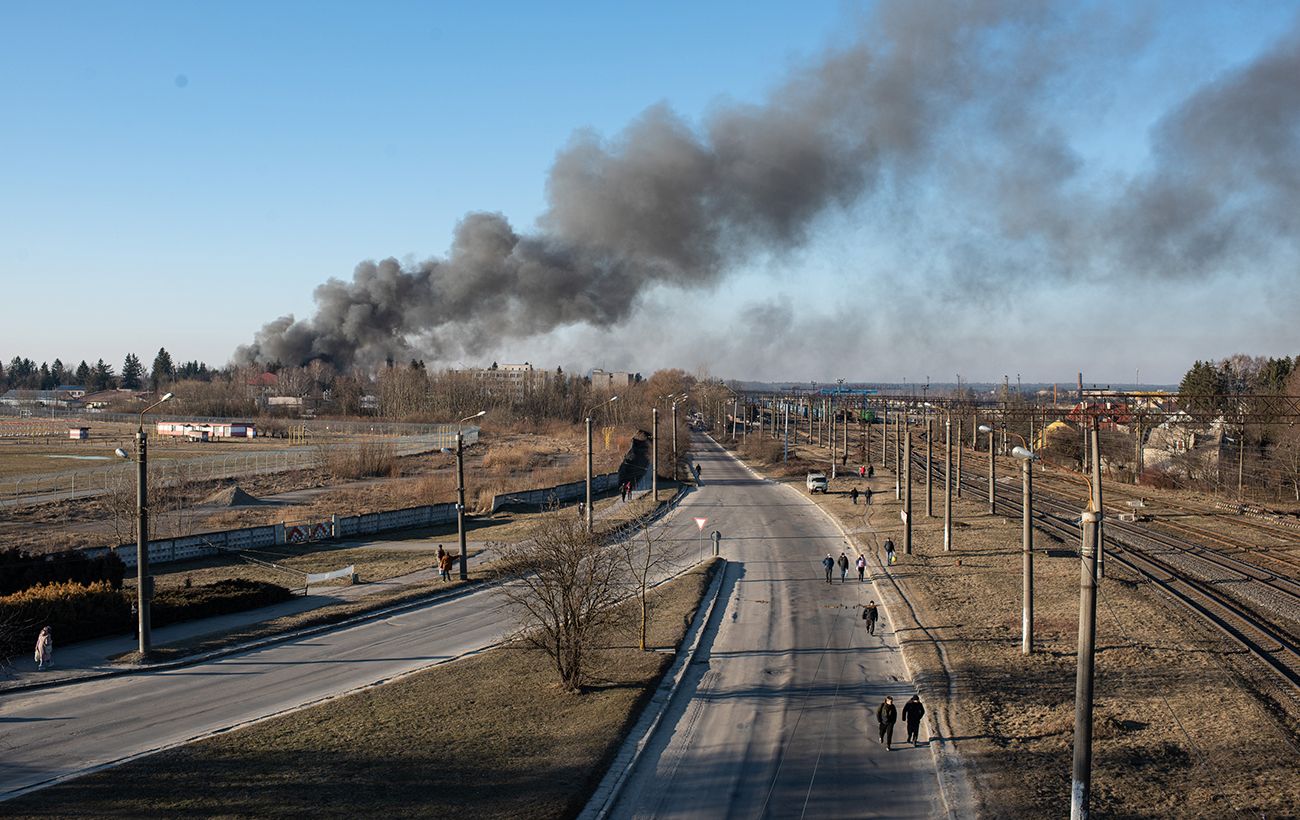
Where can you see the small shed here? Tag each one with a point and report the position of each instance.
(78, 433)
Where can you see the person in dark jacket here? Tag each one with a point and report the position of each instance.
(844, 567)
(853, 495)
(870, 614)
(887, 716)
(829, 563)
(912, 713)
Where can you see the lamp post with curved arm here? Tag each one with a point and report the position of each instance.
(588, 413)
(144, 581)
(993, 504)
(460, 494)
(1027, 457)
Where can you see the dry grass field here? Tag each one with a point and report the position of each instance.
(489, 736)
(1178, 731)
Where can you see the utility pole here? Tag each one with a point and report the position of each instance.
(674, 441)
(735, 416)
(884, 435)
(907, 501)
(898, 452)
(1081, 784)
(947, 484)
(654, 453)
(993, 463)
(143, 580)
(1096, 496)
(587, 509)
(1027, 558)
(460, 495)
(929, 456)
(959, 449)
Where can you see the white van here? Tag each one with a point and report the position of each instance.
(816, 481)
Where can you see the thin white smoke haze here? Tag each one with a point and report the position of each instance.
(670, 206)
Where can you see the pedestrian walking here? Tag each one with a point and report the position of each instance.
(862, 472)
(44, 655)
(853, 495)
(889, 551)
(582, 508)
(871, 614)
(871, 472)
(844, 567)
(887, 716)
(862, 567)
(829, 563)
(444, 565)
(867, 492)
(912, 713)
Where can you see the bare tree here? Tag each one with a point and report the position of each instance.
(564, 589)
(647, 558)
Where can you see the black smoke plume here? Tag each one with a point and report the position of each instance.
(669, 203)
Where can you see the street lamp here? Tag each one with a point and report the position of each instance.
(588, 413)
(929, 455)
(683, 397)
(460, 494)
(1027, 458)
(984, 428)
(144, 581)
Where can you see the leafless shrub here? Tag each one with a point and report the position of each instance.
(564, 590)
(363, 460)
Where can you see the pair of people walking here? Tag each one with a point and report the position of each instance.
(887, 716)
(625, 490)
(829, 563)
(444, 564)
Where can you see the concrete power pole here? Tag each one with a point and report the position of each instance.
(884, 435)
(947, 484)
(654, 453)
(907, 492)
(460, 496)
(959, 449)
(1096, 496)
(929, 458)
(1081, 784)
(1027, 559)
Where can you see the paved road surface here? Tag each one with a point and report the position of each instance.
(776, 717)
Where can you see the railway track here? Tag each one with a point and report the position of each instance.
(1255, 609)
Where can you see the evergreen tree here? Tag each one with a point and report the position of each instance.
(103, 377)
(59, 372)
(163, 370)
(132, 372)
(46, 378)
(83, 374)
(1202, 386)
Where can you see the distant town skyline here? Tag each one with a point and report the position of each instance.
(870, 190)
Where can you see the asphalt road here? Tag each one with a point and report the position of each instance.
(776, 716)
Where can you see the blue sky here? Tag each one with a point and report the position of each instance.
(179, 174)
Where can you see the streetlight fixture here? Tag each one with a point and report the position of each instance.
(588, 413)
(1027, 458)
(144, 581)
(984, 428)
(460, 494)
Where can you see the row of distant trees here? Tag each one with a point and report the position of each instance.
(24, 374)
(1239, 375)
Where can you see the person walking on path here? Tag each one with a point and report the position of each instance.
(867, 492)
(444, 564)
(862, 472)
(829, 563)
(844, 567)
(887, 716)
(862, 567)
(44, 649)
(853, 495)
(871, 614)
(889, 551)
(912, 713)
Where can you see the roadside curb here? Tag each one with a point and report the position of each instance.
(629, 754)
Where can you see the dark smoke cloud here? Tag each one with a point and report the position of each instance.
(949, 96)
